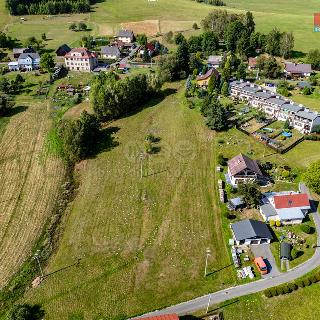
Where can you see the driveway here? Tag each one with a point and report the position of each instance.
(263, 250)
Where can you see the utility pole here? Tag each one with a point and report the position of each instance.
(208, 303)
(36, 257)
(207, 256)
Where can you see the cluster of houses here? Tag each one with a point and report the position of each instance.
(276, 106)
(288, 207)
(26, 59)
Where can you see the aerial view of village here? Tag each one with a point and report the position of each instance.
(160, 159)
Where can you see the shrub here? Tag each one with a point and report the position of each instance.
(268, 293)
(273, 292)
(306, 228)
(221, 160)
(292, 286)
(278, 223)
(272, 223)
(317, 275)
(307, 282)
(294, 253)
(313, 279)
(280, 290)
(300, 283)
(286, 289)
(195, 26)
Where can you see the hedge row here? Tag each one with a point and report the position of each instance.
(292, 286)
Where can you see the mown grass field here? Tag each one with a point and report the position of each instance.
(108, 16)
(29, 182)
(141, 241)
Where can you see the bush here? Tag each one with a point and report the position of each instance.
(300, 283)
(306, 228)
(307, 282)
(278, 223)
(292, 286)
(313, 279)
(280, 290)
(286, 289)
(294, 253)
(268, 293)
(221, 160)
(317, 275)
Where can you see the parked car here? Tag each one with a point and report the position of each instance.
(261, 265)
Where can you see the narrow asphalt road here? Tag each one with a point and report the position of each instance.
(220, 296)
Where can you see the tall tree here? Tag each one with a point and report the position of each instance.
(179, 38)
(210, 42)
(216, 116)
(232, 35)
(251, 194)
(273, 42)
(242, 71)
(249, 22)
(287, 44)
(47, 62)
(313, 57)
(312, 177)
(183, 57)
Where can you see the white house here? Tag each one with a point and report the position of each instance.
(242, 169)
(126, 36)
(250, 232)
(110, 52)
(289, 207)
(81, 59)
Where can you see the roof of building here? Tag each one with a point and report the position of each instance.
(64, 47)
(292, 107)
(308, 115)
(32, 55)
(268, 210)
(298, 68)
(303, 84)
(291, 201)
(248, 229)
(252, 62)
(110, 50)
(150, 47)
(236, 201)
(264, 94)
(277, 101)
(290, 214)
(241, 162)
(125, 33)
(85, 53)
(208, 74)
(251, 88)
(285, 250)
(172, 316)
(238, 83)
(215, 59)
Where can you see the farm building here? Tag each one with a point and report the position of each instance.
(110, 52)
(242, 169)
(126, 36)
(251, 232)
(296, 70)
(63, 50)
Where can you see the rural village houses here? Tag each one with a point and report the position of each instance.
(275, 106)
(288, 207)
(126, 36)
(242, 169)
(81, 59)
(203, 80)
(296, 70)
(27, 59)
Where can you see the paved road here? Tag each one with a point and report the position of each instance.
(264, 251)
(242, 290)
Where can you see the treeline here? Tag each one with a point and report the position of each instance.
(218, 3)
(52, 7)
(237, 31)
(112, 98)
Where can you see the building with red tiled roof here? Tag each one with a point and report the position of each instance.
(287, 207)
(81, 59)
(172, 316)
(252, 63)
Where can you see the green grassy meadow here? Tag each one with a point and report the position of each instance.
(141, 241)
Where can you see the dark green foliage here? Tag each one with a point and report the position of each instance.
(47, 62)
(232, 35)
(268, 293)
(312, 177)
(292, 286)
(269, 66)
(294, 253)
(306, 228)
(307, 282)
(82, 26)
(307, 91)
(195, 44)
(142, 39)
(216, 115)
(251, 194)
(300, 283)
(313, 57)
(225, 89)
(5, 41)
(182, 56)
(79, 136)
(221, 160)
(210, 42)
(242, 71)
(179, 38)
(286, 124)
(112, 99)
(273, 42)
(25, 312)
(5, 104)
(217, 3)
(22, 7)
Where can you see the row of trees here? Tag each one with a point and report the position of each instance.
(23, 7)
(238, 33)
(218, 3)
(112, 98)
(5, 41)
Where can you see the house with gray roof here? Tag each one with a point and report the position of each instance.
(288, 112)
(297, 70)
(305, 121)
(110, 52)
(126, 36)
(251, 232)
(29, 61)
(214, 61)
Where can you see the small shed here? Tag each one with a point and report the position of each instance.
(285, 251)
(236, 203)
(63, 50)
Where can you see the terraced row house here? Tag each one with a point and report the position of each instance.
(275, 106)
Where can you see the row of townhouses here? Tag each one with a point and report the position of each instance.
(275, 106)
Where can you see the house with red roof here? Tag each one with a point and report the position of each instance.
(81, 59)
(289, 207)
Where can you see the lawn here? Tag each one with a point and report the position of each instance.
(108, 16)
(141, 241)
